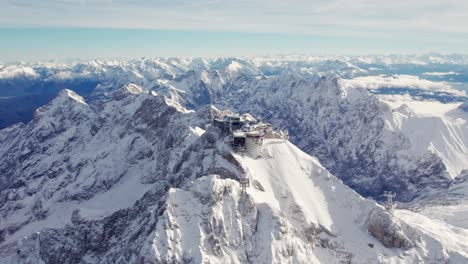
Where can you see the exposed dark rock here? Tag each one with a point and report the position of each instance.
(387, 230)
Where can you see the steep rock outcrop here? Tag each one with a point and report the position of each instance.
(383, 226)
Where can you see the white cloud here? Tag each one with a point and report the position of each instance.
(336, 17)
(440, 73)
(402, 81)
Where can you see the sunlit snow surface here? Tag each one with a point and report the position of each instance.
(441, 128)
(290, 191)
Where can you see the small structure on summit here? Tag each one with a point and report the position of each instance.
(390, 205)
(246, 133)
(248, 141)
(229, 123)
(253, 142)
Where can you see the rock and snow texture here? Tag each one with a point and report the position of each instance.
(130, 175)
(433, 126)
(349, 130)
(353, 134)
(300, 214)
(100, 157)
(446, 206)
(140, 179)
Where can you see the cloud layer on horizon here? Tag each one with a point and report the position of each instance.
(336, 17)
(403, 81)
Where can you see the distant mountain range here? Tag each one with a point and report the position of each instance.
(37, 83)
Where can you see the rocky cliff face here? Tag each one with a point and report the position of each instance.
(388, 231)
(72, 152)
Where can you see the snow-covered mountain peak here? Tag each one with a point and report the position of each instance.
(64, 110)
(69, 94)
(435, 127)
(135, 89)
(234, 66)
(127, 90)
(404, 110)
(336, 88)
(75, 155)
(17, 71)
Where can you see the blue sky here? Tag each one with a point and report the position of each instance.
(58, 29)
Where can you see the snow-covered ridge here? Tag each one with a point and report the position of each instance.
(440, 128)
(94, 78)
(295, 211)
(146, 67)
(13, 71)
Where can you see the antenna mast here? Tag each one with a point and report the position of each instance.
(390, 205)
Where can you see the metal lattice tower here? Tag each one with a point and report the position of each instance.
(390, 205)
(244, 183)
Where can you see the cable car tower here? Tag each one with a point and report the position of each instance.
(390, 205)
(244, 183)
